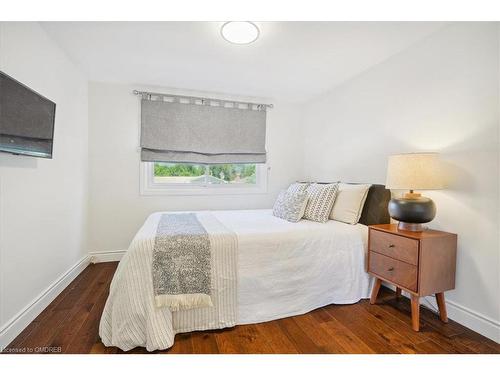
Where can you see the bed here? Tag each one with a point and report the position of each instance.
(263, 268)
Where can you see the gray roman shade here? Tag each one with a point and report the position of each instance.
(196, 132)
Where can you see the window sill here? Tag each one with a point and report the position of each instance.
(202, 190)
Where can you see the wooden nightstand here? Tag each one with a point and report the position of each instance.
(421, 263)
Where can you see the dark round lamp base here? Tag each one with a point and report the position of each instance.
(412, 212)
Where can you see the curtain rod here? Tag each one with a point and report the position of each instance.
(137, 92)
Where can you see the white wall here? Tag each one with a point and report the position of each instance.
(43, 203)
(117, 210)
(439, 95)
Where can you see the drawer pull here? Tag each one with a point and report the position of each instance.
(391, 269)
(392, 245)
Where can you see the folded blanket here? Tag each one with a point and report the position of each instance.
(181, 266)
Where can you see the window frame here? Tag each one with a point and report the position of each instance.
(149, 187)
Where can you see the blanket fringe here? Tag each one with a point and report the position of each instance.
(183, 301)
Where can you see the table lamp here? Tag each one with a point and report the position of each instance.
(416, 171)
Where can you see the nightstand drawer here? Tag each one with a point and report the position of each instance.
(393, 270)
(394, 246)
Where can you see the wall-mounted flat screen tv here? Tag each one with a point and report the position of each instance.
(26, 120)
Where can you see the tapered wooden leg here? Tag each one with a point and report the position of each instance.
(415, 312)
(442, 307)
(398, 292)
(376, 288)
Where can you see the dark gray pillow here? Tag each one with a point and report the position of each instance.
(375, 209)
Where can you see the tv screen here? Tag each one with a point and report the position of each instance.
(26, 120)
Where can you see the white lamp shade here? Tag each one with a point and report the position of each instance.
(418, 171)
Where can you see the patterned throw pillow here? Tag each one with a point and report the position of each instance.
(290, 206)
(297, 187)
(320, 203)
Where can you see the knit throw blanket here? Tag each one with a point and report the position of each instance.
(181, 263)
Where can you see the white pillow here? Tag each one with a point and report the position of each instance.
(349, 203)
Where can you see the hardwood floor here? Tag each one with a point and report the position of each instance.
(70, 325)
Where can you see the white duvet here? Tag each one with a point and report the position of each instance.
(287, 269)
(281, 269)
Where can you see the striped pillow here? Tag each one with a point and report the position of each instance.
(320, 203)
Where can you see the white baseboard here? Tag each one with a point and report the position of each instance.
(106, 256)
(474, 320)
(10, 330)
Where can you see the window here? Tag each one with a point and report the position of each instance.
(171, 173)
(158, 178)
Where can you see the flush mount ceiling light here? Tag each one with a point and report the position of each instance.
(239, 32)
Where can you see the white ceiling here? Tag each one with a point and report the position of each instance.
(292, 61)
